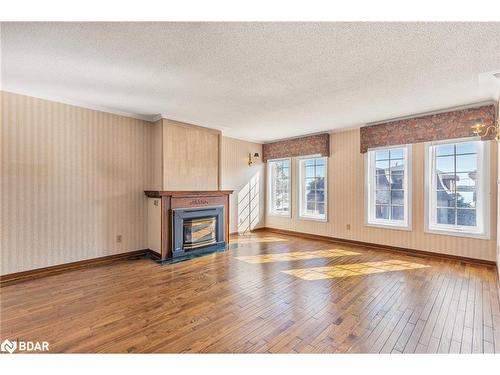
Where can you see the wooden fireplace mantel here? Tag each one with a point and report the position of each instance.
(186, 193)
(171, 200)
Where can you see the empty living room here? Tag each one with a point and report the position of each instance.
(247, 188)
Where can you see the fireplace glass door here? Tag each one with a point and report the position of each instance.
(199, 232)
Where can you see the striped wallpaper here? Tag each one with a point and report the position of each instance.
(248, 182)
(346, 205)
(72, 180)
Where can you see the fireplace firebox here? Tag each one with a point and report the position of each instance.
(197, 230)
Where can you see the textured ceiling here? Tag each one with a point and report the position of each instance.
(259, 81)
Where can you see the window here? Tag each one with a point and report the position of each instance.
(456, 185)
(313, 190)
(387, 187)
(279, 187)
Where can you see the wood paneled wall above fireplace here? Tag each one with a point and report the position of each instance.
(185, 156)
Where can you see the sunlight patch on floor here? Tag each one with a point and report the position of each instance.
(356, 269)
(297, 255)
(250, 240)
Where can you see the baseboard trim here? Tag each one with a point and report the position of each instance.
(418, 253)
(261, 229)
(249, 231)
(153, 254)
(18, 277)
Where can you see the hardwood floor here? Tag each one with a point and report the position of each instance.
(268, 293)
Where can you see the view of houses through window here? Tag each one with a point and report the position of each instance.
(454, 201)
(279, 187)
(389, 176)
(313, 188)
(387, 186)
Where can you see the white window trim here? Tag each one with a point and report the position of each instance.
(270, 212)
(370, 219)
(300, 185)
(482, 187)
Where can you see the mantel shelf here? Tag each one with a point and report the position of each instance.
(186, 193)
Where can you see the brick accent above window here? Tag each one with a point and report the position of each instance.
(311, 145)
(440, 126)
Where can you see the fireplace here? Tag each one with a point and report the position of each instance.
(187, 222)
(197, 230)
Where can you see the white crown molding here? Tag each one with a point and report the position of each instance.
(300, 136)
(148, 118)
(223, 130)
(243, 139)
(158, 117)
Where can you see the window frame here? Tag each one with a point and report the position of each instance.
(301, 168)
(270, 211)
(370, 190)
(483, 192)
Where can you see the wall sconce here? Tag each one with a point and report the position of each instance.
(481, 130)
(251, 159)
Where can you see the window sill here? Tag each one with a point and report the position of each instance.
(286, 216)
(309, 218)
(389, 226)
(479, 236)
